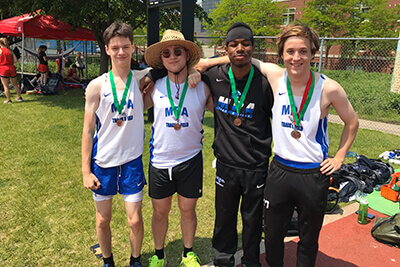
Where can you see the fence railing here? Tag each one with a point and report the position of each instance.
(366, 68)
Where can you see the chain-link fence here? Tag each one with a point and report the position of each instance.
(366, 68)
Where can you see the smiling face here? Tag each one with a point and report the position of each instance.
(120, 50)
(240, 52)
(176, 60)
(297, 55)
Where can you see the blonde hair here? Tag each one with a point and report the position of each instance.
(4, 42)
(298, 29)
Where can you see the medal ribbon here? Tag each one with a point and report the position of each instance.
(239, 104)
(304, 101)
(177, 111)
(120, 106)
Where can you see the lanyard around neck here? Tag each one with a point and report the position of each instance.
(305, 100)
(177, 111)
(239, 104)
(120, 106)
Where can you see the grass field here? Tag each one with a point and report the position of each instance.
(47, 217)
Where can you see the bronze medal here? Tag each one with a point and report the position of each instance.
(237, 122)
(295, 134)
(119, 122)
(177, 126)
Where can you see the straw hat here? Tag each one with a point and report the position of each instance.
(171, 37)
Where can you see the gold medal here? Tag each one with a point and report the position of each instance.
(177, 126)
(295, 134)
(119, 122)
(237, 122)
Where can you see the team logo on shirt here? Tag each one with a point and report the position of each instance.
(224, 103)
(170, 113)
(287, 111)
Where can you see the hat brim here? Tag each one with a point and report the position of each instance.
(153, 52)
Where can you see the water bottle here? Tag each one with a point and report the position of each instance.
(363, 211)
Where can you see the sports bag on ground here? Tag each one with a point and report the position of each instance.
(387, 230)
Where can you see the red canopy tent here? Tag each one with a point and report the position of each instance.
(42, 27)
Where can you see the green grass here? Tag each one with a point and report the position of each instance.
(47, 217)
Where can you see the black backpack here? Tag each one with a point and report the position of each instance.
(52, 86)
(25, 85)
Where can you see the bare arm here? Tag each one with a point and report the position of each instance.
(90, 181)
(270, 70)
(334, 95)
(209, 100)
(207, 63)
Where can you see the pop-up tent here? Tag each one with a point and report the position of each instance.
(42, 27)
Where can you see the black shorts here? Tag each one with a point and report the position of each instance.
(186, 179)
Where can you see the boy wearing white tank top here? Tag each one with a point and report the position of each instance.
(112, 142)
(299, 173)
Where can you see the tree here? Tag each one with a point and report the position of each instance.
(351, 18)
(331, 18)
(263, 16)
(96, 15)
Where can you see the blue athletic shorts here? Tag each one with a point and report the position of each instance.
(126, 179)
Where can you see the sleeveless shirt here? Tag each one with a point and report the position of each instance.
(170, 147)
(312, 147)
(113, 145)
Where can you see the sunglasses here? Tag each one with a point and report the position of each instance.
(167, 53)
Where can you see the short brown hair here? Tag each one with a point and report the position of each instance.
(298, 29)
(118, 28)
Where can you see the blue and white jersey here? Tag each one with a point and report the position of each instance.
(170, 147)
(312, 147)
(115, 145)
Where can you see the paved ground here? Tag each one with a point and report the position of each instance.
(371, 125)
(340, 213)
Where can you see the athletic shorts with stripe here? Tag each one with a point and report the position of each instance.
(186, 179)
(126, 179)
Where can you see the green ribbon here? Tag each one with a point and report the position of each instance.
(177, 111)
(305, 100)
(120, 106)
(239, 104)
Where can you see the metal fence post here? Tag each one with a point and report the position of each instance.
(321, 54)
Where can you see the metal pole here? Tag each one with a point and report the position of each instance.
(22, 63)
(321, 54)
(187, 19)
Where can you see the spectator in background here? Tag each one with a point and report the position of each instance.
(72, 75)
(43, 65)
(68, 63)
(79, 63)
(8, 71)
(142, 64)
(59, 62)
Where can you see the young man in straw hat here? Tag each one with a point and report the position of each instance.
(176, 161)
(299, 173)
(112, 156)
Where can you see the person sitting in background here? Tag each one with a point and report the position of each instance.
(72, 75)
(7, 70)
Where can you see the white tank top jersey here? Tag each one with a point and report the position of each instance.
(113, 145)
(312, 147)
(170, 147)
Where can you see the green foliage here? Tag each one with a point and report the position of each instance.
(263, 16)
(372, 99)
(379, 21)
